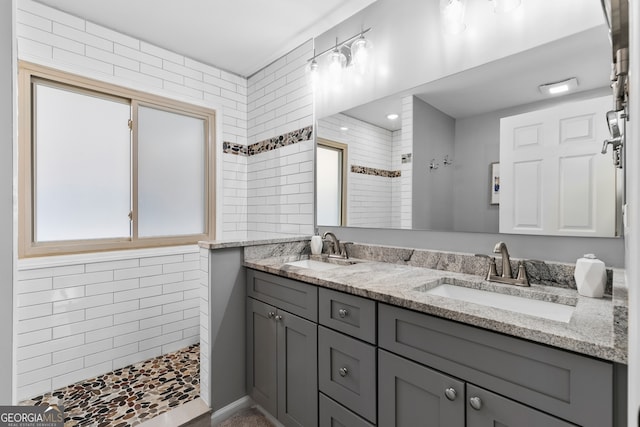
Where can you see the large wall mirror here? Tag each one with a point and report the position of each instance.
(439, 164)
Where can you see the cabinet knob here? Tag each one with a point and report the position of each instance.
(475, 403)
(343, 371)
(278, 318)
(271, 315)
(450, 393)
(343, 312)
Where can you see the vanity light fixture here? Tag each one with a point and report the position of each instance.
(452, 15)
(354, 52)
(559, 88)
(392, 116)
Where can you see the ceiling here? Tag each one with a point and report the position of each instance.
(240, 36)
(508, 82)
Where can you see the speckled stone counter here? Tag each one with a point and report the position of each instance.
(598, 327)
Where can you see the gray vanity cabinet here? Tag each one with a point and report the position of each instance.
(282, 352)
(569, 386)
(410, 394)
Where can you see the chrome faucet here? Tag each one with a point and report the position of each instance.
(335, 250)
(501, 248)
(506, 277)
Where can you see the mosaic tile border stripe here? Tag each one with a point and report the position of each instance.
(233, 148)
(300, 135)
(375, 172)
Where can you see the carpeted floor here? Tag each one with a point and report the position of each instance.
(131, 395)
(249, 417)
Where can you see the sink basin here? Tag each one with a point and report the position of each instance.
(313, 265)
(532, 307)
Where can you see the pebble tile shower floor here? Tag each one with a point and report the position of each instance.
(131, 395)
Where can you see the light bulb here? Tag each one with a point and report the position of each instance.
(360, 54)
(312, 70)
(452, 16)
(337, 62)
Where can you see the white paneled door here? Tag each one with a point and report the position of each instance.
(555, 180)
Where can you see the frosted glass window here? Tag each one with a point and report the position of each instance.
(82, 153)
(329, 185)
(171, 173)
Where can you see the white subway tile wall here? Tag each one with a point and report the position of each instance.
(397, 150)
(53, 38)
(89, 318)
(280, 182)
(79, 320)
(369, 198)
(406, 181)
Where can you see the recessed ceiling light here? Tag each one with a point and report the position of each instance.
(558, 88)
(392, 116)
(344, 128)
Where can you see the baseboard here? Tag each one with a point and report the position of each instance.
(227, 411)
(270, 417)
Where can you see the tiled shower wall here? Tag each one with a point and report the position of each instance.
(403, 205)
(52, 38)
(279, 102)
(80, 319)
(280, 181)
(79, 316)
(369, 198)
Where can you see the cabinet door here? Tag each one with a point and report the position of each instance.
(486, 409)
(297, 371)
(261, 355)
(410, 394)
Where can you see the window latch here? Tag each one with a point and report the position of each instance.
(130, 124)
(130, 215)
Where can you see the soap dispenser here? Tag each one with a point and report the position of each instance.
(591, 276)
(316, 245)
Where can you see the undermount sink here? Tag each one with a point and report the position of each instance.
(322, 263)
(313, 265)
(533, 307)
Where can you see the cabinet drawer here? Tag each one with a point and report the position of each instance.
(289, 295)
(346, 313)
(573, 387)
(347, 372)
(335, 415)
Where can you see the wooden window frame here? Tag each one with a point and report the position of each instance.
(27, 247)
(344, 149)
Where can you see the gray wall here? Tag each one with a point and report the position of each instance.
(7, 238)
(433, 137)
(227, 308)
(477, 145)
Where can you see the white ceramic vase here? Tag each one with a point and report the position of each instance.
(316, 245)
(591, 276)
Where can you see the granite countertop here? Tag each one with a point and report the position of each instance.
(222, 244)
(597, 326)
